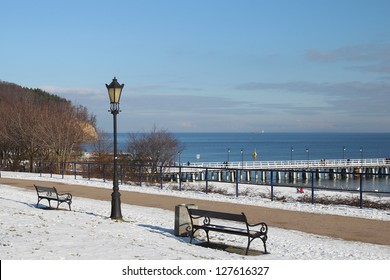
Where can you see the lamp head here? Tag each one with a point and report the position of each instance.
(114, 93)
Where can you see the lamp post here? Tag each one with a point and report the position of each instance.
(114, 93)
(344, 149)
(242, 158)
(291, 155)
(308, 156)
(228, 153)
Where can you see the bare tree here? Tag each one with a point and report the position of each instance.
(103, 145)
(36, 124)
(19, 120)
(64, 130)
(154, 149)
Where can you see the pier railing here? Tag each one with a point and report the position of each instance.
(295, 164)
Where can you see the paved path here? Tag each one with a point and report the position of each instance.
(348, 228)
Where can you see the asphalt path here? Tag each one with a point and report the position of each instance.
(347, 228)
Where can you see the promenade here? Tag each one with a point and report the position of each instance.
(347, 228)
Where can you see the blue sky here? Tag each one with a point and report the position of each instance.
(208, 65)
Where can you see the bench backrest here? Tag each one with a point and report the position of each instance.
(217, 215)
(50, 191)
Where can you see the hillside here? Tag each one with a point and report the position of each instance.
(9, 91)
(36, 125)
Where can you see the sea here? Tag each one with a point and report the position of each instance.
(221, 147)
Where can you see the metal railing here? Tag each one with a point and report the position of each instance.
(233, 176)
(292, 164)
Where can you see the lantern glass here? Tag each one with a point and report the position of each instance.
(114, 91)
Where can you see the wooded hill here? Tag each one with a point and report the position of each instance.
(38, 126)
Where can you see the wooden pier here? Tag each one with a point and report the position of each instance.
(261, 171)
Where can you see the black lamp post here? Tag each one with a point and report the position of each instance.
(114, 93)
(308, 156)
(242, 158)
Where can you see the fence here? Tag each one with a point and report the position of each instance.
(311, 180)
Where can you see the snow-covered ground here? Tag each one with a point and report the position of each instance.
(88, 233)
(248, 194)
(146, 240)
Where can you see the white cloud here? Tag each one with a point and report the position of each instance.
(70, 92)
(352, 53)
(370, 58)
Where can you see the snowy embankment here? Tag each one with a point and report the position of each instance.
(87, 232)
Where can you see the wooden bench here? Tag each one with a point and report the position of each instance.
(50, 193)
(252, 231)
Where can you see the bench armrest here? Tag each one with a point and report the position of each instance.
(66, 195)
(263, 227)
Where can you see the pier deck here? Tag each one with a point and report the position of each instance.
(296, 164)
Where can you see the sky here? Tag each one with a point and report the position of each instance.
(208, 66)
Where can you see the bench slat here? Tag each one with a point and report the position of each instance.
(45, 189)
(226, 229)
(218, 215)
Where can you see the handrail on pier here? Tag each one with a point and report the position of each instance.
(292, 164)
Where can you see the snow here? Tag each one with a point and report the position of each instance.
(146, 236)
(87, 233)
(248, 194)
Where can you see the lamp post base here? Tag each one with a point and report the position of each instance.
(116, 213)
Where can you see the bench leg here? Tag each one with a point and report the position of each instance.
(207, 234)
(39, 199)
(59, 203)
(192, 234)
(247, 247)
(265, 246)
(250, 241)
